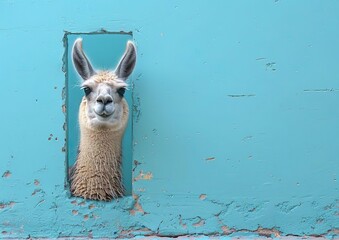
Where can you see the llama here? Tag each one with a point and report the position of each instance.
(103, 115)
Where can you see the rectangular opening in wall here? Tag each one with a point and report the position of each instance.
(104, 51)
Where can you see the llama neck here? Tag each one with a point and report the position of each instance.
(100, 146)
(102, 143)
(97, 172)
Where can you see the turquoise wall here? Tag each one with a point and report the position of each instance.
(235, 118)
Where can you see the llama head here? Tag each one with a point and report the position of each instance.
(103, 90)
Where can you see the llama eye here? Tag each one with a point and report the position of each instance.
(121, 92)
(87, 90)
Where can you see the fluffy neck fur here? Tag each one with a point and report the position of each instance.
(97, 172)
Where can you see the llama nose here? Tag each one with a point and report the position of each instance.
(104, 99)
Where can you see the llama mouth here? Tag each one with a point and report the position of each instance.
(104, 115)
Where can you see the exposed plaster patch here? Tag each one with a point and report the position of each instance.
(202, 196)
(63, 107)
(199, 223)
(7, 205)
(136, 206)
(226, 230)
(6, 174)
(268, 232)
(135, 231)
(184, 225)
(36, 182)
(144, 176)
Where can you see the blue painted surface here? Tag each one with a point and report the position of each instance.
(235, 123)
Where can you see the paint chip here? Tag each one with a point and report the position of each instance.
(36, 191)
(268, 232)
(86, 217)
(210, 158)
(91, 206)
(75, 212)
(200, 223)
(226, 230)
(36, 182)
(182, 224)
(136, 206)
(144, 176)
(6, 205)
(6, 174)
(202, 196)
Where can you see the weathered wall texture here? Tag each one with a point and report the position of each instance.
(235, 123)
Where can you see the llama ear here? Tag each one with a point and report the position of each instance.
(81, 62)
(127, 62)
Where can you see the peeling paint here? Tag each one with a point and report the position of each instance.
(199, 223)
(137, 208)
(202, 196)
(10, 204)
(63, 107)
(36, 182)
(143, 176)
(6, 174)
